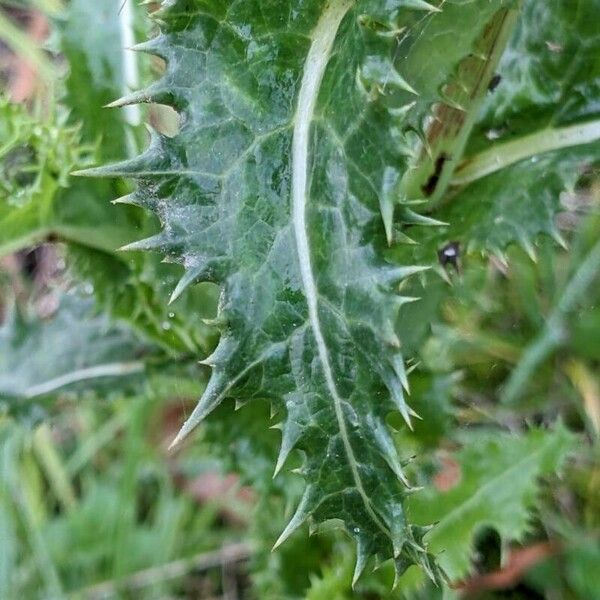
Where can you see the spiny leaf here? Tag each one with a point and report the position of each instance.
(293, 126)
(528, 146)
(37, 156)
(497, 488)
(39, 201)
(515, 204)
(548, 76)
(540, 128)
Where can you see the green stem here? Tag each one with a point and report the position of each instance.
(509, 153)
(450, 130)
(508, 22)
(555, 332)
(54, 468)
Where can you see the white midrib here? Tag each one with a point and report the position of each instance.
(131, 79)
(505, 154)
(319, 54)
(95, 372)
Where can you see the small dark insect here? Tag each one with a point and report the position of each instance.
(449, 256)
(430, 185)
(494, 82)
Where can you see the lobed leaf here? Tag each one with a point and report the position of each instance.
(498, 488)
(39, 201)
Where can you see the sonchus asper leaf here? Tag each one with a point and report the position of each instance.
(498, 488)
(537, 135)
(281, 186)
(539, 131)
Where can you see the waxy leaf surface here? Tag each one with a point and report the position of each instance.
(281, 187)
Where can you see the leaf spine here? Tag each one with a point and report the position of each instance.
(189, 278)
(301, 514)
(362, 556)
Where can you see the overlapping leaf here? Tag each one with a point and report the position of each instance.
(39, 201)
(72, 350)
(539, 133)
(497, 487)
(549, 74)
(294, 137)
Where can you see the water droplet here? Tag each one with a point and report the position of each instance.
(494, 134)
(166, 325)
(171, 315)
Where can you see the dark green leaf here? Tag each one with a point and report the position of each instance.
(294, 137)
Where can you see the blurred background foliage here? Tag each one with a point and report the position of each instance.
(97, 371)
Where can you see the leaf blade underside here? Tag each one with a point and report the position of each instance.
(74, 350)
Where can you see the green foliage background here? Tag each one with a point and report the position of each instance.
(503, 349)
